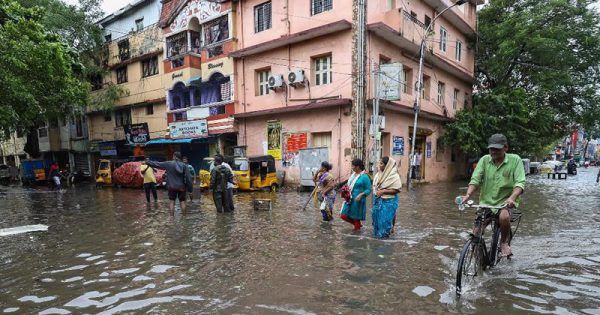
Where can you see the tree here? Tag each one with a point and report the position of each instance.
(41, 75)
(537, 74)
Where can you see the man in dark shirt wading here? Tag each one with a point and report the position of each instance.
(219, 177)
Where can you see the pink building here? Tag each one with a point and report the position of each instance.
(294, 79)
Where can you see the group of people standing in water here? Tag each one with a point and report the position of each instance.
(385, 188)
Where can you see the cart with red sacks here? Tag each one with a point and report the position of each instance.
(129, 175)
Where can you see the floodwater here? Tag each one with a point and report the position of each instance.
(106, 251)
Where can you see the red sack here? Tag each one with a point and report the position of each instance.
(129, 175)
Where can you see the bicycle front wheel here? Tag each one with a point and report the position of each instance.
(470, 265)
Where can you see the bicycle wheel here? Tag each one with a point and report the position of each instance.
(470, 265)
(495, 246)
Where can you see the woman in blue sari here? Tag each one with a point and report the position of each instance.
(386, 186)
(354, 208)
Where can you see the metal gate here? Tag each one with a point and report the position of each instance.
(81, 162)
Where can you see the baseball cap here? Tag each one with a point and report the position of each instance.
(497, 141)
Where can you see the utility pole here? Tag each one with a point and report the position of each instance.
(419, 89)
(375, 78)
(359, 49)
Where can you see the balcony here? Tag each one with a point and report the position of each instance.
(462, 17)
(132, 46)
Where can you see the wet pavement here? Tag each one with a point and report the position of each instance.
(106, 251)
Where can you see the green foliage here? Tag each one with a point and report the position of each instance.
(41, 75)
(537, 74)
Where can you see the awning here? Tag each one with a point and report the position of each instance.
(169, 141)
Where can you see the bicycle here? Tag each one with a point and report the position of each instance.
(475, 257)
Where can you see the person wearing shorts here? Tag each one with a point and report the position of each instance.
(179, 180)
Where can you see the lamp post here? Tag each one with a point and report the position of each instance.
(419, 88)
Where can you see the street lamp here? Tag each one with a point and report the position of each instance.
(419, 88)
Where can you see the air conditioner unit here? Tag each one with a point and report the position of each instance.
(275, 81)
(296, 78)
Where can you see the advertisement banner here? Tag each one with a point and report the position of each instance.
(292, 143)
(390, 81)
(189, 129)
(398, 146)
(274, 139)
(136, 133)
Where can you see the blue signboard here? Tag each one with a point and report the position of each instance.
(398, 148)
(107, 148)
(429, 150)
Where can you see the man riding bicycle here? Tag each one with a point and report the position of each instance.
(501, 178)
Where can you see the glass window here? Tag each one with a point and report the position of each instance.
(443, 39)
(150, 67)
(139, 24)
(240, 165)
(121, 75)
(322, 66)
(455, 99)
(262, 17)
(458, 54)
(441, 93)
(122, 117)
(124, 49)
(263, 81)
(216, 30)
(177, 44)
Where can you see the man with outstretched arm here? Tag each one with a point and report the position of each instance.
(500, 176)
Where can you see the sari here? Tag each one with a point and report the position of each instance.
(384, 207)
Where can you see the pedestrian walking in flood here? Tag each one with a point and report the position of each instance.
(230, 185)
(220, 176)
(354, 208)
(149, 181)
(55, 175)
(193, 174)
(325, 183)
(386, 186)
(179, 180)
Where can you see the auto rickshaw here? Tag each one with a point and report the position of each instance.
(105, 171)
(206, 166)
(256, 173)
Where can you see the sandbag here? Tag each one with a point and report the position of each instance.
(129, 175)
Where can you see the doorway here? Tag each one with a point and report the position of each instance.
(419, 171)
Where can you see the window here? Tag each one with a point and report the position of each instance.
(122, 117)
(176, 63)
(466, 101)
(43, 132)
(79, 127)
(391, 4)
(122, 75)
(321, 139)
(441, 92)
(124, 49)
(139, 24)
(426, 87)
(262, 17)
(149, 109)
(320, 6)
(96, 81)
(455, 99)
(216, 30)
(107, 116)
(458, 54)
(383, 60)
(427, 21)
(108, 38)
(406, 80)
(263, 81)
(322, 66)
(443, 39)
(150, 67)
(177, 44)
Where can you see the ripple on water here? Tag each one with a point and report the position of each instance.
(161, 268)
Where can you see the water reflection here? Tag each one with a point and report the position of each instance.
(108, 251)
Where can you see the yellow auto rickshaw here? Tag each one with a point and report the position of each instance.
(207, 165)
(256, 173)
(105, 171)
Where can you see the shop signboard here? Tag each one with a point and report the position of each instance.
(107, 148)
(189, 129)
(136, 133)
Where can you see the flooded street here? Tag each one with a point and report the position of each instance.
(106, 251)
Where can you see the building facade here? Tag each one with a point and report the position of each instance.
(133, 59)
(199, 77)
(12, 148)
(294, 61)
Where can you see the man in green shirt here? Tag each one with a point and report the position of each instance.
(500, 176)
